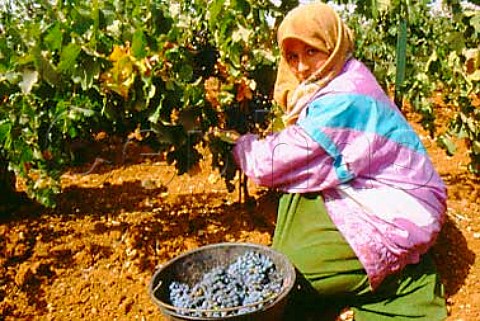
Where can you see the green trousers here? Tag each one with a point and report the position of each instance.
(332, 277)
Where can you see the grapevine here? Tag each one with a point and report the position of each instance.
(181, 69)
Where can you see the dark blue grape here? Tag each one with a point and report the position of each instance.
(248, 283)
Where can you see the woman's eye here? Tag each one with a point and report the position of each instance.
(311, 51)
(291, 58)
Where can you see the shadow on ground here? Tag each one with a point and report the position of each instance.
(454, 258)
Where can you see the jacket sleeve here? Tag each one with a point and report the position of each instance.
(289, 160)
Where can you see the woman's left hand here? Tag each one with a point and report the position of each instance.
(227, 135)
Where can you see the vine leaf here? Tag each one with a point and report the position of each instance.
(68, 57)
(45, 68)
(5, 139)
(445, 142)
(54, 38)
(169, 134)
(30, 78)
(139, 43)
(241, 34)
(122, 74)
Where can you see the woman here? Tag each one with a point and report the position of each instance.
(362, 203)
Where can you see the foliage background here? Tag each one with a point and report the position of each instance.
(168, 72)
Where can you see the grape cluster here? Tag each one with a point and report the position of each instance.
(248, 283)
(205, 55)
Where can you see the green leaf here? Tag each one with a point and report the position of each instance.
(446, 143)
(5, 140)
(384, 5)
(378, 6)
(89, 69)
(81, 21)
(236, 51)
(241, 5)
(401, 54)
(241, 34)
(475, 76)
(45, 68)
(214, 9)
(54, 38)
(185, 72)
(76, 111)
(26, 153)
(476, 147)
(29, 78)
(169, 134)
(155, 117)
(95, 15)
(475, 22)
(68, 57)
(72, 132)
(139, 43)
(162, 24)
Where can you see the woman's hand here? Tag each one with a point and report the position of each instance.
(227, 135)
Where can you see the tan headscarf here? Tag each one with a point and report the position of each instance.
(318, 25)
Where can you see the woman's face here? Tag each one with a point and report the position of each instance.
(302, 58)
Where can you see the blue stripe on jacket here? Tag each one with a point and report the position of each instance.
(360, 113)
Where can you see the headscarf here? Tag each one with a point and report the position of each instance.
(319, 26)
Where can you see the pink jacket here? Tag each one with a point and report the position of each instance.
(354, 147)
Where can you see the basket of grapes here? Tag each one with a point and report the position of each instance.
(224, 281)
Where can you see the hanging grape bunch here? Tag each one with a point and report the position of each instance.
(248, 283)
(205, 55)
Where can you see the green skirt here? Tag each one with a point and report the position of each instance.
(331, 276)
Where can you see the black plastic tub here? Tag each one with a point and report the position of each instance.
(191, 266)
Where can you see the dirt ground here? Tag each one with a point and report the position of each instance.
(93, 256)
